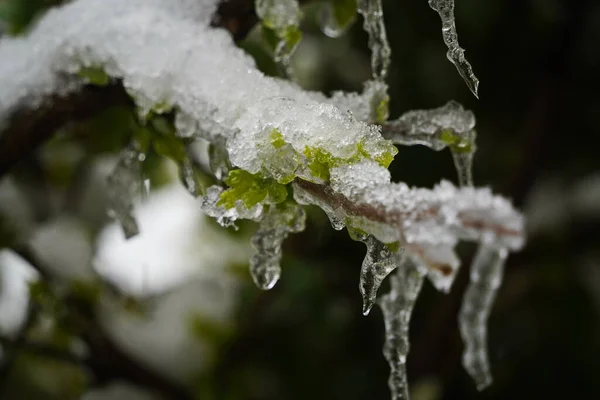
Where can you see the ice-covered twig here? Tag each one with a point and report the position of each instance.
(393, 212)
(448, 126)
(486, 276)
(397, 308)
(456, 54)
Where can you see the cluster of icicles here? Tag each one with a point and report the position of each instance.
(407, 273)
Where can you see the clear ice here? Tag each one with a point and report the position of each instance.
(282, 16)
(337, 16)
(166, 53)
(379, 262)
(456, 54)
(397, 307)
(277, 223)
(374, 25)
(486, 276)
(448, 126)
(125, 185)
(227, 217)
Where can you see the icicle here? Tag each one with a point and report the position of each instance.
(373, 24)
(456, 54)
(379, 262)
(218, 160)
(125, 183)
(337, 16)
(486, 276)
(397, 308)
(336, 221)
(463, 162)
(187, 175)
(277, 223)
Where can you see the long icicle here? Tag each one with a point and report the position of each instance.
(456, 54)
(486, 276)
(397, 308)
(374, 25)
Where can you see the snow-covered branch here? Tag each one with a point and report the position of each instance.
(270, 138)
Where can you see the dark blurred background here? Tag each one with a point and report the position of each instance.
(537, 120)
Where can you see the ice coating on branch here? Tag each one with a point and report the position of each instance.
(277, 223)
(456, 54)
(486, 276)
(447, 126)
(379, 262)
(432, 128)
(423, 217)
(397, 308)
(374, 25)
(124, 185)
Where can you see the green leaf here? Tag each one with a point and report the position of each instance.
(251, 189)
(277, 139)
(94, 75)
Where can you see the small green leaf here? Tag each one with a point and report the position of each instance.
(319, 162)
(94, 75)
(250, 189)
(277, 139)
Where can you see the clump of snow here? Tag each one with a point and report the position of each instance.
(176, 243)
(15, 276)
